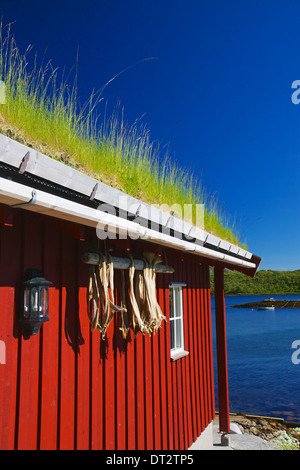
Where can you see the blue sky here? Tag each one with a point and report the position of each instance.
(217, 92)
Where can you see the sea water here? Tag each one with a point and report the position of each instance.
(263, 378)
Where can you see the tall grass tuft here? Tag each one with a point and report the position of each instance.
(44, 111)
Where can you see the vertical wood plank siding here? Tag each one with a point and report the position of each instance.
(65, 388)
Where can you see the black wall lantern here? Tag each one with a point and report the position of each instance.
(34, 301)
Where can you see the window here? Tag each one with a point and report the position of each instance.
(176, 320)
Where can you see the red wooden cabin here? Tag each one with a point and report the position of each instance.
(67, 388)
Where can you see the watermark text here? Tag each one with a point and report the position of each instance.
(2, 92)
(296, 353)
(135, 220)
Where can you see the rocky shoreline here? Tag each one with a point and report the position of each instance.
(264, 427)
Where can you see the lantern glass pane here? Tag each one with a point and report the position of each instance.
(34, 301)
(26, 302)
(43, 302)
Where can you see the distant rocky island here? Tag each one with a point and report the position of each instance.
(266, 282)
(270, 303)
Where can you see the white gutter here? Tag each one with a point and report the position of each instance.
(12, 193)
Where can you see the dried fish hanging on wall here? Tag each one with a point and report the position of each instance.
(124, 328)
(146, 312)
(101, 302)
(144, 316)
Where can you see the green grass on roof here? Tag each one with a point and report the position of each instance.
(44, 112)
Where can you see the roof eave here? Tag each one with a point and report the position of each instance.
(27, 161)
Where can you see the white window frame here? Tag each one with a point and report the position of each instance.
(177, 352)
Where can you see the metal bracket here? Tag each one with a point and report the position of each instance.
(24, 163)
(93, 193)
(29, 203)
(190, 231)
(168, 220)
(136, 215)
(172, 215)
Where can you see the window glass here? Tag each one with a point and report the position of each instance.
(171, 303)
(172, 334)
(178, 334)
(176, 318)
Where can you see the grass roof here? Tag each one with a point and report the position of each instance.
(44, 112)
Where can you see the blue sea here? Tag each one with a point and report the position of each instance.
(263, 380)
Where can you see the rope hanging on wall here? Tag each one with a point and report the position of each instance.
(144, 315)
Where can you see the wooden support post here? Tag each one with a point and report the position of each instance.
(224, 420)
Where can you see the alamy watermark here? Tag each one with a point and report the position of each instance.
(296, 353)
(296, 94)
(2, 92)
(296, 344)
(136, 219)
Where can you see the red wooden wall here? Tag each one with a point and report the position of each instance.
(64, 388)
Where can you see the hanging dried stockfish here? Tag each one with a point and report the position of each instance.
(125, 321)
(137, 322)
(146, 313)
(111, 286)
(96, 298)
(93, 298)
(152, 310)
(139, 289)
(112, 308)
(101, 293)
(107, 317)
